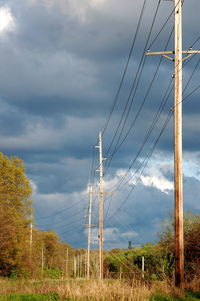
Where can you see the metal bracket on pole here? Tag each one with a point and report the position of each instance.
(165, 54)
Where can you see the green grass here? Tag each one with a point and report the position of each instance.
(188, 297)
(31, 297)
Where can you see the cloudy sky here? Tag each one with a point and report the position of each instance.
(62, 62)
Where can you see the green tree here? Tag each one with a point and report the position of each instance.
(15, 190)
(191, 243)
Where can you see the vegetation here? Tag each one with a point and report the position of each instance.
(94, 290)
(159, 258)
(16, 257)
(45, 259)
(30, 297)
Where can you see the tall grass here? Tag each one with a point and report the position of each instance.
(94, 290)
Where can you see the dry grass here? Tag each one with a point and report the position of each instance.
(81, 289)
(94, 290)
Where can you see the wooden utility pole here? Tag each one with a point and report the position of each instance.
(89, 231)
(66, 263)
(78, 265)
(81, 265)
(75, 262)
(42, 259)
(142, 266)
(31, 235)
(178, 177)
(100, 207)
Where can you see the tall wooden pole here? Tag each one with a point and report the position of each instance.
(31, 235)
(178, 178)
(42, 259)
(75, 263)
(66, 263)
(100, 207)
(142, 266)
(89, 232)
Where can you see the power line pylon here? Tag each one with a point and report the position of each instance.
(178, 176)
(100, 206)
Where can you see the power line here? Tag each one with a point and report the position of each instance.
(147, 158)
(135, 82)
(117, 147)
(167, 20)
(60, 211)
(60, 221)
(162, 105)
(126, 66)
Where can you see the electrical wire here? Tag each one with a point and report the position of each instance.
(60, 211)
(126, 67)
(60, 221)
(167, 20)
(117, 147)
(144, 163)
(135, 82)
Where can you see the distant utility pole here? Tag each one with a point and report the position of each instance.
(31, 234)
(74, 266)
(178, 178)
(42, 259)
(142, 266)
(66, 263)
(89, 231)
(100, 207)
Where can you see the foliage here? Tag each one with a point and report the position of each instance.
(30, 297)
(187, 297)
(191, 244)
(14, 210)
(16, 257)
(53, 273)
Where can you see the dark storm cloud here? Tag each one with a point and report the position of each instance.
(60, 70)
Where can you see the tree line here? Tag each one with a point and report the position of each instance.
(47, 256)
(159, 258)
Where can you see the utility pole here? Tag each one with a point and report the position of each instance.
(78, 265)
(31, 235)
(89, 231)
(142, 266)
(75, 262)
(178, 177)
(81, 265)
(100, 207)
(66, 263)
(42, 259)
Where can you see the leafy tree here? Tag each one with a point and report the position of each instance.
(15, 190)
(191, 243)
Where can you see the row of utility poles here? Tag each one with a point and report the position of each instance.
(177, 58)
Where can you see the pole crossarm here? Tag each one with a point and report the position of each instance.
(104, 192)
(166, 54)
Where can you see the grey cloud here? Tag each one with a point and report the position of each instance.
(60, 71)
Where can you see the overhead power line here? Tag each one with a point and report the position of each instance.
(60, 211)
(126, 66)
(135, 84)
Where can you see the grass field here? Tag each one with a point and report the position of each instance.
(94, 290)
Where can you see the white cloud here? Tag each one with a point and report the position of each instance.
(160, 183)
(7, 22)
(129, 234)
